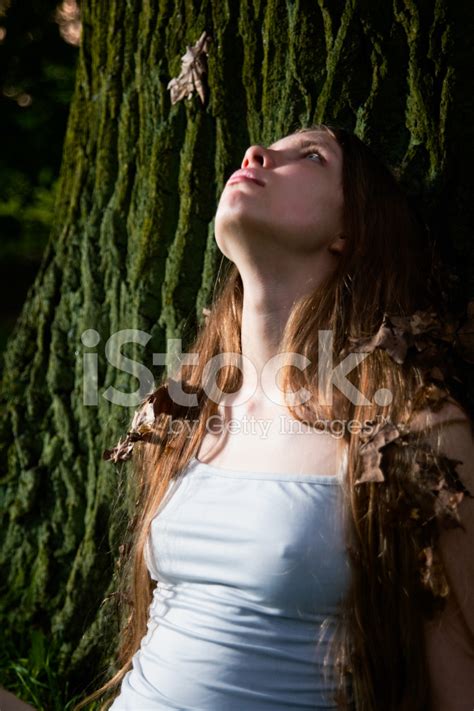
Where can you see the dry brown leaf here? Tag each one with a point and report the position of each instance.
(422, 330)
(418, 323)
(193, 67)
(142, 425)
(121, 452)
(387, 337)
(143, 418)
(432, 340)
(369, 451)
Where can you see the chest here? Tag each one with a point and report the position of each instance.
(274, 543)
(270, 439)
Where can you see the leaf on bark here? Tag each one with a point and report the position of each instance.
(193, 67)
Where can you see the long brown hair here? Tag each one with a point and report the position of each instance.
(380, 299)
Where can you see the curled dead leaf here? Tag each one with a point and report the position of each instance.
(193, 67)
(388, 338)
(121, 452)
(142, 425)
(426, 334)
(419, 323)
(378, 435)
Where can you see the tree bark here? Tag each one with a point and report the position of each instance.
(133, 245)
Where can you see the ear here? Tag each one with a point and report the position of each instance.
(338, 244)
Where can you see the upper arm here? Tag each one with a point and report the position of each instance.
(449, 638)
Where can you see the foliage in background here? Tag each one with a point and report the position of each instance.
(37, 69)
(34, 677)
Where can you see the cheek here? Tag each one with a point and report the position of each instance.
(309, 208)
(313, 219)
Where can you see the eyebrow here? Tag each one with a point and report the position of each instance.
(308, 142)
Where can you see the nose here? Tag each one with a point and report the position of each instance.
(257, 155)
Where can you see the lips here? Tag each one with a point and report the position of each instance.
(245, 174)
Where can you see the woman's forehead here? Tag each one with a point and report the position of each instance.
(325, 131)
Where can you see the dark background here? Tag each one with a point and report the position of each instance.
(38, 54)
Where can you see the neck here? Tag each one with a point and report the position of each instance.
(266, 308)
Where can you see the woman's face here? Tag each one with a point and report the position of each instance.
(298, 209)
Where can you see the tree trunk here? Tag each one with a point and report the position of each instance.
(133, 245)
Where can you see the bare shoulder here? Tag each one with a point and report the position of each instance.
(449, 638)
(450, 428)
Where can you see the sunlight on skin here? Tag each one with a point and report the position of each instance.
(284, 236)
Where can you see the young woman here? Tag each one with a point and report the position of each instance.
(303, 527)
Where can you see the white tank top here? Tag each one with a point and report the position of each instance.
(248, 565)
